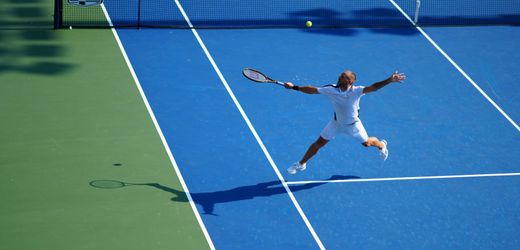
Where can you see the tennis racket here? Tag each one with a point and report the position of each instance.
(257, 76)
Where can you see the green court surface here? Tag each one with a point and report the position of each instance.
(71, 113)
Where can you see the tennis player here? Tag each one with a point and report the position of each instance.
(345, 100)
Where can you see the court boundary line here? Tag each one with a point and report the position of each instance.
(159, 131)
(411, 178)
(454, 64)
(250, 125)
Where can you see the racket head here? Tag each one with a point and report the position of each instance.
(107, 184)
(257, 76)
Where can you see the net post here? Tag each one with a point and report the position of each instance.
(58, 14)
(417, 7)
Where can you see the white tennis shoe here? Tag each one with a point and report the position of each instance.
(294, 168)
(384, 151)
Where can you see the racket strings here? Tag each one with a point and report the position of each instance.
(107, 184)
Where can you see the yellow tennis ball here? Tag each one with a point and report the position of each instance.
(308, 24)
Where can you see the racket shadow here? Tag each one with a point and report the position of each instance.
(209, 200)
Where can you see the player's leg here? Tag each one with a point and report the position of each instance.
(380, 144)
(328, 133)
(373, 142)
(313, 149)
(359, 132)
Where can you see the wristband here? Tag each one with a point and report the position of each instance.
(295, 87)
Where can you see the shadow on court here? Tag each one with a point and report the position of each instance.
(381, 18)
(208, 200)
(41, 51)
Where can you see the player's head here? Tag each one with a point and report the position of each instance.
(347, 77)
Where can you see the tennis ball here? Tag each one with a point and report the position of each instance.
(308, 24)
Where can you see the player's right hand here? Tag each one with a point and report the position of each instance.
(288, 85)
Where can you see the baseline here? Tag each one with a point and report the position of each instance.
(404, 178)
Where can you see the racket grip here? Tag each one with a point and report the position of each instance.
(280, 83)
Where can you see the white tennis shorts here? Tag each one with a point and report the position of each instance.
(355, 130)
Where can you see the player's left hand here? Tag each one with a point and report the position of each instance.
(397, 77)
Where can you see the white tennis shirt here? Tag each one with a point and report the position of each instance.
(345, 103)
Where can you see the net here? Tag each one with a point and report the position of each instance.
(288, 13)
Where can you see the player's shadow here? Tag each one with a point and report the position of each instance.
(208, 200)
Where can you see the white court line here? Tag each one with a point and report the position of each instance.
(457, 66)
(159, 131)
(404, 178)
(253, 130)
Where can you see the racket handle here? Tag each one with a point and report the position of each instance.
(280, 83)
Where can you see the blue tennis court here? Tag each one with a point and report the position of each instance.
(452, 177)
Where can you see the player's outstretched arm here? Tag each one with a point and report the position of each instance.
(395, 77)
(304, 89)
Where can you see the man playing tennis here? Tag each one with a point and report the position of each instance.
(345, 100)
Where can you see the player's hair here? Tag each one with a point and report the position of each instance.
(345, 72)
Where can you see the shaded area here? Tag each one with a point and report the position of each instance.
(377, 18)
(208, 200)
(40, 52)
(292, 14)
(69, 107)
(18, 15)
(40, 68)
